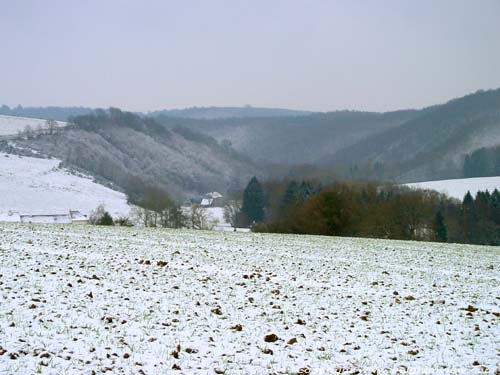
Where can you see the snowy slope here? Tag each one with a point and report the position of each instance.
(86, 299)
(11, 125)
(38, 186)
(459, 187)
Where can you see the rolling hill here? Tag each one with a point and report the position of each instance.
(191, 151)
(402, 146)
(430, 146)
(40, 186)
(294, 139)
(128, 149)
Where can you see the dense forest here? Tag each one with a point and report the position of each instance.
(483, 162)
(367, 210)
(430, 146)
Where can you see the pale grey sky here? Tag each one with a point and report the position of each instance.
(315, 55)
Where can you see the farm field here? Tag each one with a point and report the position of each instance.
(90, 300)
(12, 125)
(458, 188)
(39, 186)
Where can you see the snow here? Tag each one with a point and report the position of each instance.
(35, 186)
(215, 219)
(458, 188)
(10, 216)
(12, 125)
(85, 299)
(216, 214)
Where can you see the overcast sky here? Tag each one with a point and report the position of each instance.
(315, 55)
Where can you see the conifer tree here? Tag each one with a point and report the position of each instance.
(290, 196)
(440, 228)
(253, 202)
(468, 216)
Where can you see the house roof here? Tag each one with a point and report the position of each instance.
(77, 215)
(213, 195)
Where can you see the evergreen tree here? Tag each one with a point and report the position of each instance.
(106, 219)
(495, 207)
(306, 191)
(468, 200)
(290, 196)
(468, 217)
(440, 228)
(253, 202)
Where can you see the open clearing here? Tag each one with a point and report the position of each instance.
(82, 299)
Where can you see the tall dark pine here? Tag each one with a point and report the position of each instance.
(468, 221)
(495, 207)
(290, 197)
(440, 228)
(253, 202)
(306, 191)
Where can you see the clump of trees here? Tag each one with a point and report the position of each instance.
(114, 117)
(232, 212)
(50, 127)
(155, 208)
(480, 218)
(100, 216)
(252, 209)
(362, 210)
(368, 210)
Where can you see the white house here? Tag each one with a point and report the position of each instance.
(47, 219)
(212, 199)
(78, 218)
(72, 217)
(206, 202)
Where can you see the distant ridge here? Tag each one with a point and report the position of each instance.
(210, 113)
(402, 146)
(45, 113)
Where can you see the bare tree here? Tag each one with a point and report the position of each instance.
(231, 212)
(28, 132)
(198, 217)
(51, 126)
(142, 216)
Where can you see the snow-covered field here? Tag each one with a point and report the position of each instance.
(38, 186)
(459, 187)
(86, 300)
(12, 125)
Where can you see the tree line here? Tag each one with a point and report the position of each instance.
(368, 210)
